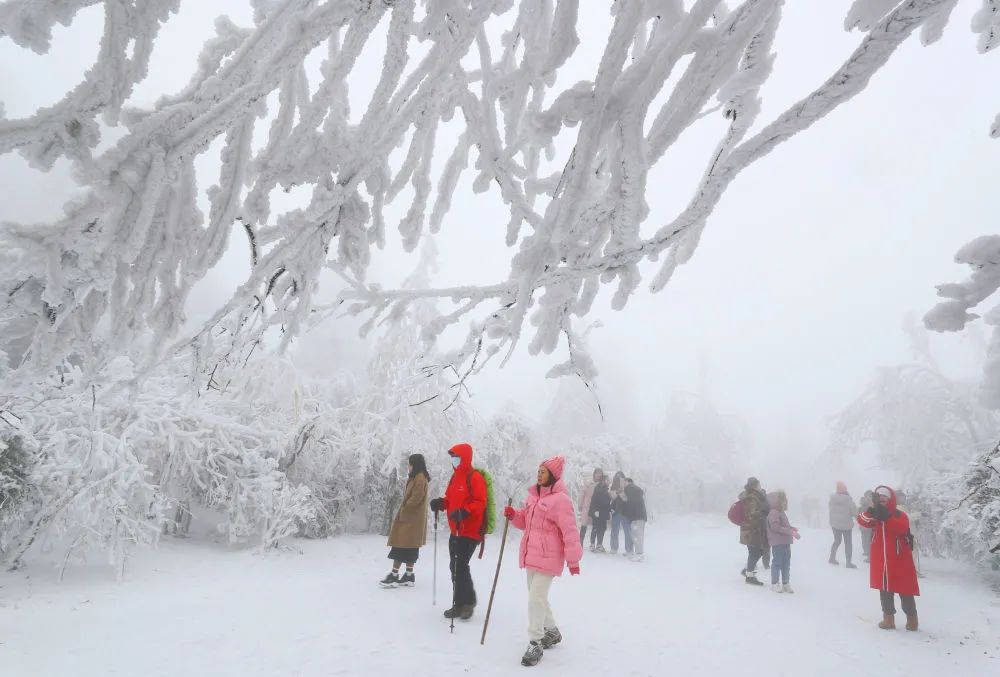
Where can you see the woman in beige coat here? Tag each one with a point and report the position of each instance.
(409, 529)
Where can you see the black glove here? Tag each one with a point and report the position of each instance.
(458, 515)
(437, 504)
(880, 512)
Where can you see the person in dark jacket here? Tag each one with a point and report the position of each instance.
(464, 502)
(599, 513)
(409, 529)
(753, 532)
(635, 510)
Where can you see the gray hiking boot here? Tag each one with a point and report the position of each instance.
(551, 637)
(532, 655)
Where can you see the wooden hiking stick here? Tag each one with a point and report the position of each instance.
(496, 576)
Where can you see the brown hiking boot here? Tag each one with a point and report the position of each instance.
(888, 622)
(911, 622)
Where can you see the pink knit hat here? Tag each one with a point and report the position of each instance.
(555, 465)
(841, 488)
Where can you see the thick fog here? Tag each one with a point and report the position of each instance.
(806, 271)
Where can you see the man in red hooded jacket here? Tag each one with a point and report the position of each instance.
(891, 569)
(464, 503)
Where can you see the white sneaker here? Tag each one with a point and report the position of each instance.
(787, 588)
(636, 558)
(777, 587)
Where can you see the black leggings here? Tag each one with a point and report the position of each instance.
(889, 603)
(597, 535)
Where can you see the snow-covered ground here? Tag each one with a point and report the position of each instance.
(196, 609)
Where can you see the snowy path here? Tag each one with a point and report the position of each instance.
(196, 610)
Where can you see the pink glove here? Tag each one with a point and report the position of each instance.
(509, 512)
(795, 534)
(574, 569)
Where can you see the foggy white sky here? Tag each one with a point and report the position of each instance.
(806, 268)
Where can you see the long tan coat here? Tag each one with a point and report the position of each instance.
(409, 529)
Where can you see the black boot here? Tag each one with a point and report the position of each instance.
(551, 637)
(454, 611)
(407, 580)
(465, 611)
(390, 581)
(532, 655)
(751, 578)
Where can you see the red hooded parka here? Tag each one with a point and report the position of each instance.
(466, 491)
(891, 568)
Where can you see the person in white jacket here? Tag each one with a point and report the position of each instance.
(843, 511)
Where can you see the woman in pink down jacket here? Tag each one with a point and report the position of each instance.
(550, 539)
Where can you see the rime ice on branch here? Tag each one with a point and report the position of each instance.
(124, 258)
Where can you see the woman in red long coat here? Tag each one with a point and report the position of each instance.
(891, 568)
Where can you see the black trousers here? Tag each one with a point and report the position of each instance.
(889, 603)
(755, 554)
(583, 534)
(597, 535)
(461, 550)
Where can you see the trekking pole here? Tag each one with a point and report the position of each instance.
(434, 588)
(496, 576)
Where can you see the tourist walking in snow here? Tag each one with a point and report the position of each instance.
(464, 502)
(635, 511)
(780, 534)
(599, 512)
(550, 540)
(892, 571)
(409, 529)
(843, 512)
(619, 521)
(753, 531)
(586, 519)
(867, 502)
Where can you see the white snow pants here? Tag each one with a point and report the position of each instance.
(539, 611)
(638, 535)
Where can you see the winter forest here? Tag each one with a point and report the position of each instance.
(256, 254)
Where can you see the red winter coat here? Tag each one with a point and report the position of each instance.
(466, 491)
(891, 568)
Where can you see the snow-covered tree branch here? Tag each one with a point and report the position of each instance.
(124, 258)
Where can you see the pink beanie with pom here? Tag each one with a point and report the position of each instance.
(555, 465)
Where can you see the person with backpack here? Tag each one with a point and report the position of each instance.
(599, 511)
(753, 528)
(635, 511)
(586, 519)
(549, 542)
(892, 570)
(464, 502)
(619, 521)
(780, 534)
(409, 528)
(843, 512)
